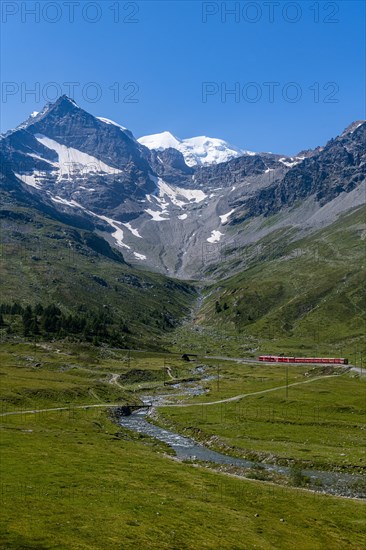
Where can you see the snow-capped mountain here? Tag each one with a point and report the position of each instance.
(197, 151)
(161, 209)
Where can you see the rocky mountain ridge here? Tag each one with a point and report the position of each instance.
(164, 213)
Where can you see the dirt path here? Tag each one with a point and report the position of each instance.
(234, 359)
(93, 394)
(169, 372)
(208, 403)
(34, 411)
(243, 395)
(114, 380)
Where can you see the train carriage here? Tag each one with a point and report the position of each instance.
(316, 360)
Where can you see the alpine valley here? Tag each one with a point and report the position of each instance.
(90, 214)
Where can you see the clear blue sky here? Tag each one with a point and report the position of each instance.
(173, 48)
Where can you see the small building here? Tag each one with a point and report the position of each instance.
(187, 356)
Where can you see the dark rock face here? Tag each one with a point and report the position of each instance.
(237, 170)
(337, 168)
(71, 126)
(64, 122)
(18, 148)
(170, 165)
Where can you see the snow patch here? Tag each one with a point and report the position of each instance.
(174, 196)
(72, 160)
(33, 155)
(183, 217)
(156, 216)
(170, 192)
(139, 256)
(291, 163)
(193, 195)
(133, 231)
(72, 203)
(29, 180)
(118, 233)
(108, 121)
(215, 237)
(224, 218)
(357, 125)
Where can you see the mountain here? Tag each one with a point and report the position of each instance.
(161, 210)
(52, 259)
(197, 151)
(296, 297)
(64, 145)
(336, 170)
(277, 242)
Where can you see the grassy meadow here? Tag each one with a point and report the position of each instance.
(73, 479)
(317, 421)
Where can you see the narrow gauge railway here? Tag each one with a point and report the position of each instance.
(322, 360)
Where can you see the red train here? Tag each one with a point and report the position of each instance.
(280, 359)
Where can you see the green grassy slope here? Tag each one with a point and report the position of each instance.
(72, 479)
(72, 483)
(65, 374)
(304, 297)
(320, 424)
(43, 260)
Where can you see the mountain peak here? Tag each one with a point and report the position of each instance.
(64, 104)
(161, 141)
(65, 100)
(197, 150)
(352, 127)
(61, 106)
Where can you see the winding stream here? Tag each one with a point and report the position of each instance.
(186, 448)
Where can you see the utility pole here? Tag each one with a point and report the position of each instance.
(218, 377)
(286, 381)
(361, 352)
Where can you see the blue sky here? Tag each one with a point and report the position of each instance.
(297, 68)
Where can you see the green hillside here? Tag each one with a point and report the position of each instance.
(304, 297)
(294, 297)
(84, 282)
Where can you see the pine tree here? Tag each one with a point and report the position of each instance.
(16, 309)
(38, 309)
(27, 321)
(51, 318)
(35, 326)
(218, 308)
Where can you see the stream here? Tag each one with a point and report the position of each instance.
(185, 448)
